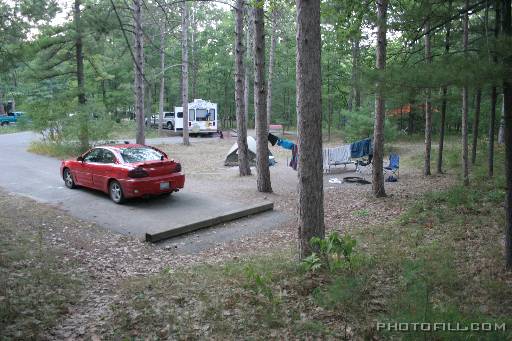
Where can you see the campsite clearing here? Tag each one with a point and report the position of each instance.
(112, 259)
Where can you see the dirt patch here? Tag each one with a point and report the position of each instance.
(107, 258)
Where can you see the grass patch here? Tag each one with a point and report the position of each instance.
(11, 128)
(128, 129)
(67, 149)
(57, 150)
(36, 284)
(440, 262)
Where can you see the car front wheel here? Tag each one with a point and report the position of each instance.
(169, 126)
(116, 192)
(68, 179)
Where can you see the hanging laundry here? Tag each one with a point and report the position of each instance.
(361, 148)
(285, 144)
(295, 157)
(295, 151)
(272, 139)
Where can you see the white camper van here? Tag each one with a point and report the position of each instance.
(202, 117)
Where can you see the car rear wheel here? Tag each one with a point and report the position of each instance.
(4, 124)
(169, 126)
(116, 192)
(68, 178)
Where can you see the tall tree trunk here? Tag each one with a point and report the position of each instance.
(445, 100)
(357, 87)
(241, 123)
(476, 123)
(2, 108)
(162, 81)
(507, 99)
(248, 60)
(329, 101)
(380, 106)
(464, 122)
(309, 111)
(271, 62)
(139, 71)
(184, 70)
(83, 134)
(428, 106)
(492, 127)
(494, 92)
(263, 179)
(501, 129)
(194, 61)
(354, 100)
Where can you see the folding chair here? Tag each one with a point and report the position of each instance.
(394, 165)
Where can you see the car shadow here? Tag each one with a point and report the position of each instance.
(153, 200)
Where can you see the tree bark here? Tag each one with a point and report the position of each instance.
(354, 101)
(501, 129)
(378, 129)
(494, 94)
(492, 127)
(464, 122)
(330, 107)
(162, 81)
(444, 102)
(507, 100)
(83, 134)
(309, 112)
(428, 106)
(476, 123)
(263, 179)
(241, 123)
(139, 71)
(248, 61)
(271, 62)
(184, 70)
(2, 108)
(194, 61)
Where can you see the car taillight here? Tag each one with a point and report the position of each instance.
(138, 172)
(177, 168)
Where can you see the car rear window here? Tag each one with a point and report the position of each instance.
(131, 155)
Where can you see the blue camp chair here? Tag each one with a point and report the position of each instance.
(394, 165)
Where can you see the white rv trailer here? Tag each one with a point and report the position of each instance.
(202, 117)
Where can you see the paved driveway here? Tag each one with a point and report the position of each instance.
(38, 177)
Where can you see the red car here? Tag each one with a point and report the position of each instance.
(124, 171)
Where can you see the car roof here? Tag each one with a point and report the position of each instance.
(123, 146)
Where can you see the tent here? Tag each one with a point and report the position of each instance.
(232, 157)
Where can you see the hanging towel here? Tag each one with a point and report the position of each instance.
(340, 155)
(295, 157)
(325, 159)
(361, 148)
(295, 151)
(285, 144)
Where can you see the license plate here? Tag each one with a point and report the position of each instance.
(164, 185)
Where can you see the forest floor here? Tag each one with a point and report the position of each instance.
(431, 251)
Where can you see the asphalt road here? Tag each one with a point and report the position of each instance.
(38, 177)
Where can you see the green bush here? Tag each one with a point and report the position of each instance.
(359, 125)
(335, 252)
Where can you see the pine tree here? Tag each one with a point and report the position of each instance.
(309, 112)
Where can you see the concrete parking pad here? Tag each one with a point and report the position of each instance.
(210, 215)
(38, 177)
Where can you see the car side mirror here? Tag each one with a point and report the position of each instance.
(80, 158)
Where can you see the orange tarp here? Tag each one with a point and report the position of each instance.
(407, 109)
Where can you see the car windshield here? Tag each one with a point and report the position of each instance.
(131, 155)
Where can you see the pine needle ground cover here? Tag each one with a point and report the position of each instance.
(440, 262)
